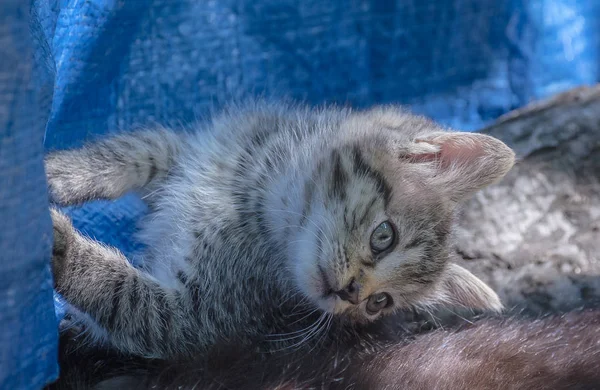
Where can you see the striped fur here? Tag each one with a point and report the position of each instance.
(259, 215)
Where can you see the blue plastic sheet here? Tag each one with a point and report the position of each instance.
(28, 333)
(103, 66)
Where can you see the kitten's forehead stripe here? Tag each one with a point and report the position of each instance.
(367, 212)
(309, 190)
(339, 180)
(354, 219)
(345, 215)
(362, 168)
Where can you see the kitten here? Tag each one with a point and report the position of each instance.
(272, 226)
(552, 353)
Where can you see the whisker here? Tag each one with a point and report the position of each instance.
(459, 316)
(308, 335)
(324, 332)
(302, 332)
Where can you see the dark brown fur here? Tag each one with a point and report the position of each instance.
(558, 352)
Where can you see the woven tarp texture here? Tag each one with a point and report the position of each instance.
(28, 334)
(75, 70)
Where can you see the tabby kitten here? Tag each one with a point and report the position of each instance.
(271, 224)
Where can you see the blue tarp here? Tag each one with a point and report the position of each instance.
(98, 66)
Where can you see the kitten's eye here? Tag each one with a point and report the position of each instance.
(377, 302)
(382, 237)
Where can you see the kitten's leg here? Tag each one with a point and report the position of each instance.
(107, 169)
(140, 316)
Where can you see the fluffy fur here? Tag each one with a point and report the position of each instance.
(552, 353)
(261, 226)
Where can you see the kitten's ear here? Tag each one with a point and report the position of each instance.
(461, 288)
(464, 162)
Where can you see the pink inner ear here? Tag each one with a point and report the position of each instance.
(425, 157)
(452, 150)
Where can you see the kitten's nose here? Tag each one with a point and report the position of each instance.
(350, 292)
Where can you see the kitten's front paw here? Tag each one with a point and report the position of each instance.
(63, 183)
(63, 240)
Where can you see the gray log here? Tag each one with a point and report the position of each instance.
(535, 236)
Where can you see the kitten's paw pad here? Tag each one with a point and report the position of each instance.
(63, 238)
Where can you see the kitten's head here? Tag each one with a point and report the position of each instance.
(378, 212)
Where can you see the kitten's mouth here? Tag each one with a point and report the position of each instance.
(326, 289)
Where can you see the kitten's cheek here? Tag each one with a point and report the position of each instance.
(328, 305)
(306, 278)
(305, 266)
(314, 288)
